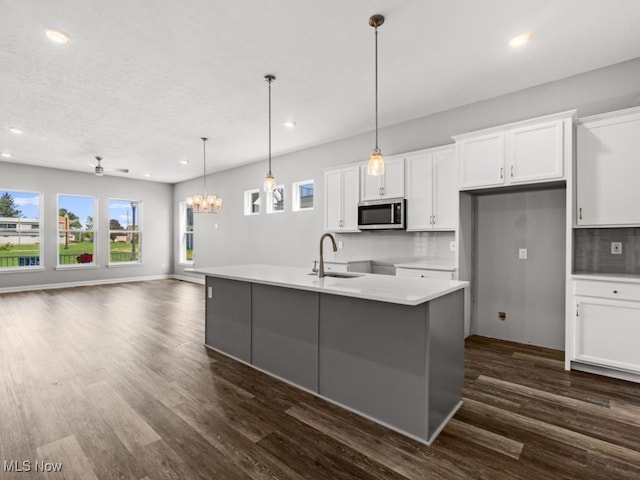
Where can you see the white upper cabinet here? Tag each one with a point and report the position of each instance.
(481, 160)
(531, 151)
(341, 194)
(389, 185)
(432, 189)
(536, 152)
(608, 169)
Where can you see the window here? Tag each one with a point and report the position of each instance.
(252, 202)
(76, 234)
(275, 199)
(186, 233)
(125, 234)
(302, 195)
(20, 242)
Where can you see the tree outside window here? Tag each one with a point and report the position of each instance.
(20, 238)
(76, 233)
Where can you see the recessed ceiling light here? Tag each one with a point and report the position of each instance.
(147, 175)
(16, 130)
(57, 36)
(6, 154)
(290, 124)
(184, 162)
(520, 40)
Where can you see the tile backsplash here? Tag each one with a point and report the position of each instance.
(396, 247)
(592, 250)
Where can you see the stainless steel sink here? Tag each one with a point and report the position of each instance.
(340, 274)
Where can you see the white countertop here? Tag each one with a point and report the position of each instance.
(382, 288)
(427, 265)
(608, 277)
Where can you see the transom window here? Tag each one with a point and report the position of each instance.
(302, 195)
(275, 200)
(252, 202)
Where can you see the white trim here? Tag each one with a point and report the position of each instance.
(39, 268)
(78, 266)
(86, 283)
(124, 264)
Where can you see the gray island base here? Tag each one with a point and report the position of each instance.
(348, 341)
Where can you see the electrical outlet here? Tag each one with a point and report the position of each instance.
(452, 246)
(616, 248)
(522, 254)
(340, 244)
(502, 316)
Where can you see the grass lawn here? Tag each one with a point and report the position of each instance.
(75, 249)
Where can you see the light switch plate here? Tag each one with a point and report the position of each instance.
(616, 248)
(340, 244)
(522, 254)
(452, 246)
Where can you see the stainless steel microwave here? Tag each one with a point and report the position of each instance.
(382, 214)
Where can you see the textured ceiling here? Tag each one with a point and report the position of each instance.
(142, 80)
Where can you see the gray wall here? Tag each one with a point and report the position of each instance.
(531, 292)
(592, 250)
(157, 221)
(291, 238)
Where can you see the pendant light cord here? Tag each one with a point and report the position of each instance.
(204, 164)
(376, 76)
(269, 80)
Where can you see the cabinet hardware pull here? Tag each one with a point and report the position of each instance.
(511, 171)
(501, 173)
(434, 220)
(580, 213)
(577, 310)
(615, 291)
(421, 276)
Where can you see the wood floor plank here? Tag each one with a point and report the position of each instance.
(131, 428)
(68, 453)
(499, 443)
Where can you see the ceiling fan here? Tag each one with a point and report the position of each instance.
(99, 169)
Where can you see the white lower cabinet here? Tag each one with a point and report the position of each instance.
(423, 273)
(607, 325)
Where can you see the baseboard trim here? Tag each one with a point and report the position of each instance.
(85, 283)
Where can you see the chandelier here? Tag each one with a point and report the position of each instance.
(204, 203)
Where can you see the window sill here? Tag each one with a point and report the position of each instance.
(302, 209)
(78, 267)
(124, 264)
(21, 269)
(251, 214)
(186, 264)
(275, 211)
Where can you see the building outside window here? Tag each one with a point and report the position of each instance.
(186, 234)
(20, 237)
(302, 195)
(76, 230)
(275, 200)
(125, 232)
(252, 202)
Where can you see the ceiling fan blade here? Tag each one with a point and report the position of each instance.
(123, 170)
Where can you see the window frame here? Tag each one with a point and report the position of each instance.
(270, 196)
(248, 203)
(40, 230)
(138, 231)
(94, 231)
(296, 199)
(184, 232)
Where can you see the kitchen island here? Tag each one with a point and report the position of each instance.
(388, 348)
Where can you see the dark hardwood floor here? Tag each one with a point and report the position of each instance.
(114, 383)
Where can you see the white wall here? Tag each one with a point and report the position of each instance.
(157, 223)
(291, 238)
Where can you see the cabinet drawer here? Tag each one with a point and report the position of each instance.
(612, 290)
(414, 272)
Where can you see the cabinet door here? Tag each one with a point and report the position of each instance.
(445, 190)
(350, 196)
(393, 178)
(371, 185)
(332, 200)
(419, 171)
(608, 172)
(607, 332)
(481, 161)
(535, 152)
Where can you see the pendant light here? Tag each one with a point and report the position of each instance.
(376, 161)
(270, 181)
(205, 203)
